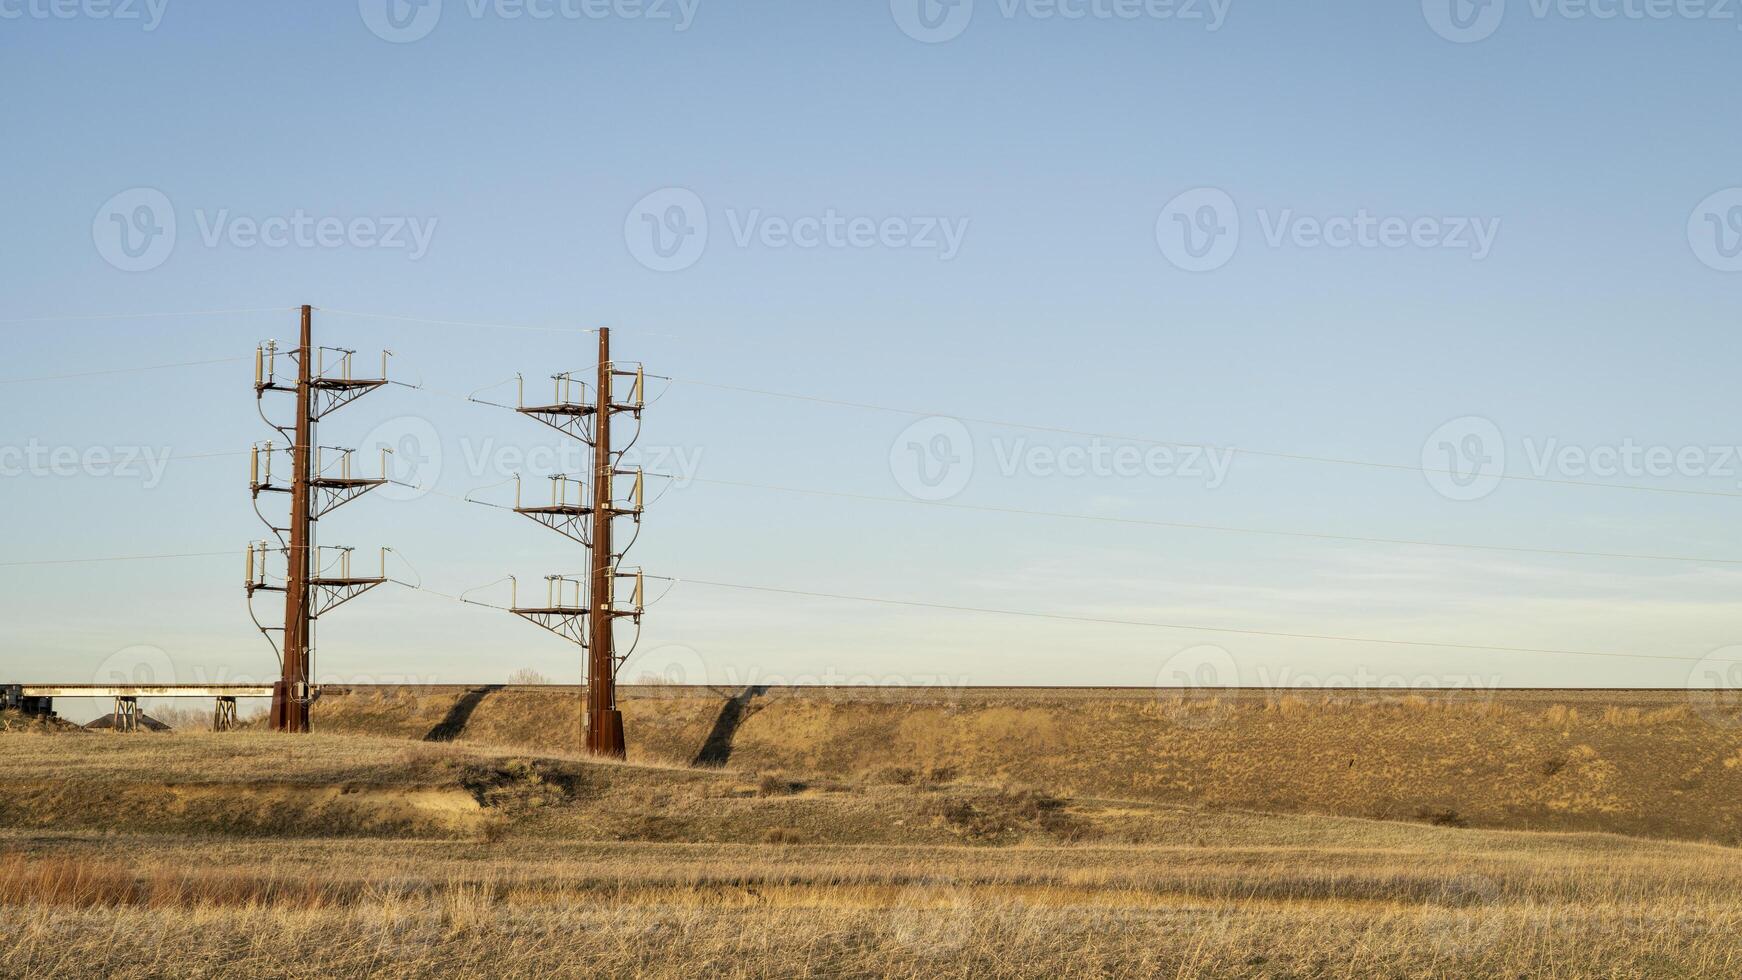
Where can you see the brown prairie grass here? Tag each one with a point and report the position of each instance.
(816, 911)
(915, 870)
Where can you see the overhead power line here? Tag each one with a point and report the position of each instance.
(447, 595)
(126, 370)
(1185, 627)
(144, 316)
(108, 558)
(456, 323)
(1139, 623)
(1152, 441)
(1187, 525)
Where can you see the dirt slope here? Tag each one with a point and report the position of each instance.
(1651, 764)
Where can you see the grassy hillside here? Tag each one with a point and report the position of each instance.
(541, 865)
(1650, 764)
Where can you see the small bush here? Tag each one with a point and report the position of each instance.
(1441, 817)
(774, 784)
(1004, 816)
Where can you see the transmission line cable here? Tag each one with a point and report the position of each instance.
(1150, 624)
(1187, 525)
(1149, 440)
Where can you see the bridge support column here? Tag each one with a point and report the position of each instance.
(126, 714)
(224, 715)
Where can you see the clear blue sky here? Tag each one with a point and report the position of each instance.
(1600, 311)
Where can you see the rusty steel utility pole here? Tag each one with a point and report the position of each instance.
(590, 622)
(290, 695)
(314, 490)
(604, 721)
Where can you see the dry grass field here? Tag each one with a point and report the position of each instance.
(250, 854)
(1657, 764)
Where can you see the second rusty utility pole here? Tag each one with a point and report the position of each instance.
(590, 623)
(604, 734)
(309, 588)
(290, 702)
